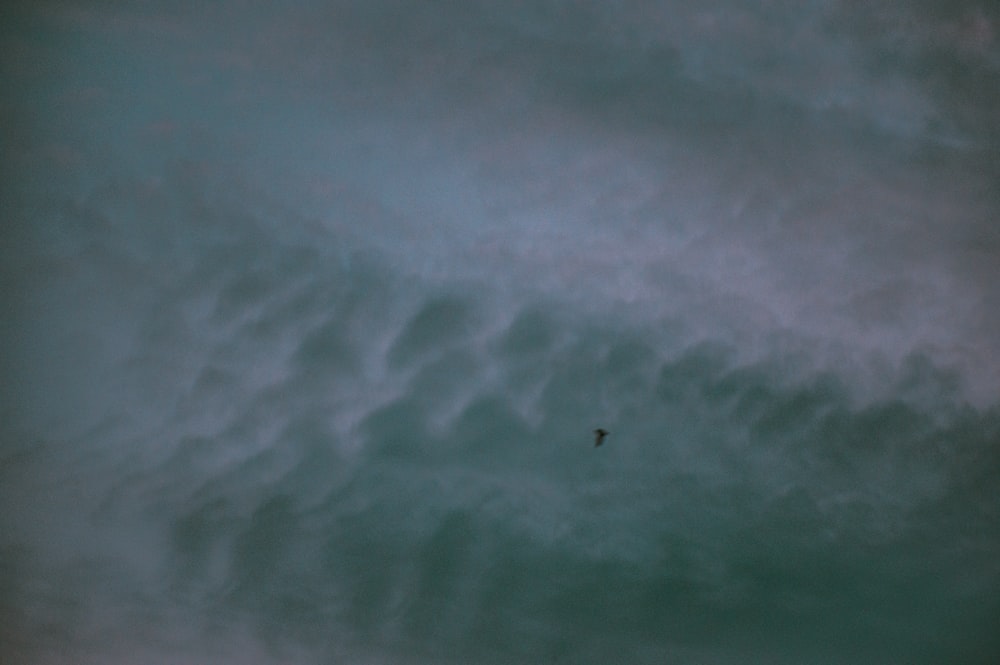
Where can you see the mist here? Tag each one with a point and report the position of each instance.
(311, 309)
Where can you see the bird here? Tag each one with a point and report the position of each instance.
(599, 435)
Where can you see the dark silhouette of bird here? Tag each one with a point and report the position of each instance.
(599, 435)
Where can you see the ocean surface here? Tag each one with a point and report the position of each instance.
(310, 312)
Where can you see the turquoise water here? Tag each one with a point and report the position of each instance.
(311, 313)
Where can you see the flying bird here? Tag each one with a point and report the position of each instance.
(599, 435)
